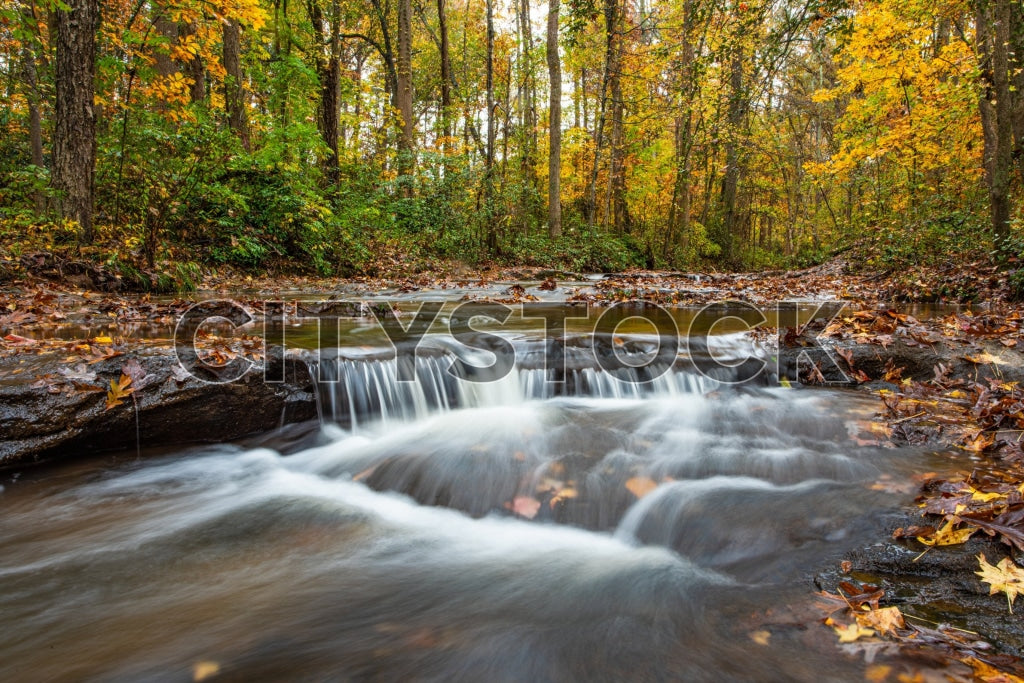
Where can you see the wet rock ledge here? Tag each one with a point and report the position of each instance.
(48, 411)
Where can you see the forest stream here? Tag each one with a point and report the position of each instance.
(598, 528)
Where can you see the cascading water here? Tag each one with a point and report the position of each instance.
(585, 529)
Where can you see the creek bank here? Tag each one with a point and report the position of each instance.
(48, 412)
(936, 585)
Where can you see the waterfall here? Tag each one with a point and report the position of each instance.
(354, 390)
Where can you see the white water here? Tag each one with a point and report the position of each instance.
(390, 550)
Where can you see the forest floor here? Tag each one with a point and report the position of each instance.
(971, 399)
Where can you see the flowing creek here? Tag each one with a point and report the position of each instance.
(597, 528)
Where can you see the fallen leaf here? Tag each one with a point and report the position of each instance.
(203, 670)
(947, 535)
(877, 673)
(525, 506)
(884, 620)
(1004, 577)
(119, 389)
(851, 633)
(641, 486)
(760, 637)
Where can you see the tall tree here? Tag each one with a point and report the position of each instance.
(446, 75)
(327, 36)
(406, 145)
(74, 139)
(555, 124)
(34, 99)
(234, 90)
(992, 24)
(488, 189)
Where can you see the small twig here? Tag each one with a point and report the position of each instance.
(909, 417)
(937, 625)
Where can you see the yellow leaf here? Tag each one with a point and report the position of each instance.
(1005, 576)
(641, 486)
(760, 637)
(851, 633)
(877, 673)
(989, 674)
(948, 536)
(980, 497)
(102, 340)
(118, 390)
(203, 670)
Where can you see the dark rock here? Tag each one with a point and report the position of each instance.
(52, 418)
(938, 586)
(918, 361)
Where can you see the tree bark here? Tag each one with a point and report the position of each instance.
(993, 36)
(1017, 89)
(74, 138)
(405, 100)
(555, 125)
(195, 68)
(328, 69)
(528, 108)
(492, 232)
(446, 78)
(730, 181)
(34, 100)
(590, 207)
(234, 92)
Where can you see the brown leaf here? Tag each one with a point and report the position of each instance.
(884, 620)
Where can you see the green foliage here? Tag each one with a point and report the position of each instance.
(930, 240)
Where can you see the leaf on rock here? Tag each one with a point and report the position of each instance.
(641, 486)
(119, 389)
(1004, 577)
(947, 535)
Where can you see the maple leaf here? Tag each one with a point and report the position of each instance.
(119, 389)
(1006, 577)
(884, 620)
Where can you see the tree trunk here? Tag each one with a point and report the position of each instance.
(446, 80)
(617, 180)
(609, 57)
(35, 121)
(328, 69)
(234, 92)
(555, 125)
(730, 181)
(404, 72)
(492, 231)
(74, 137)
(1017, 88)
(195, 68)
(168, 30)
(993, 35)
(528, 105)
